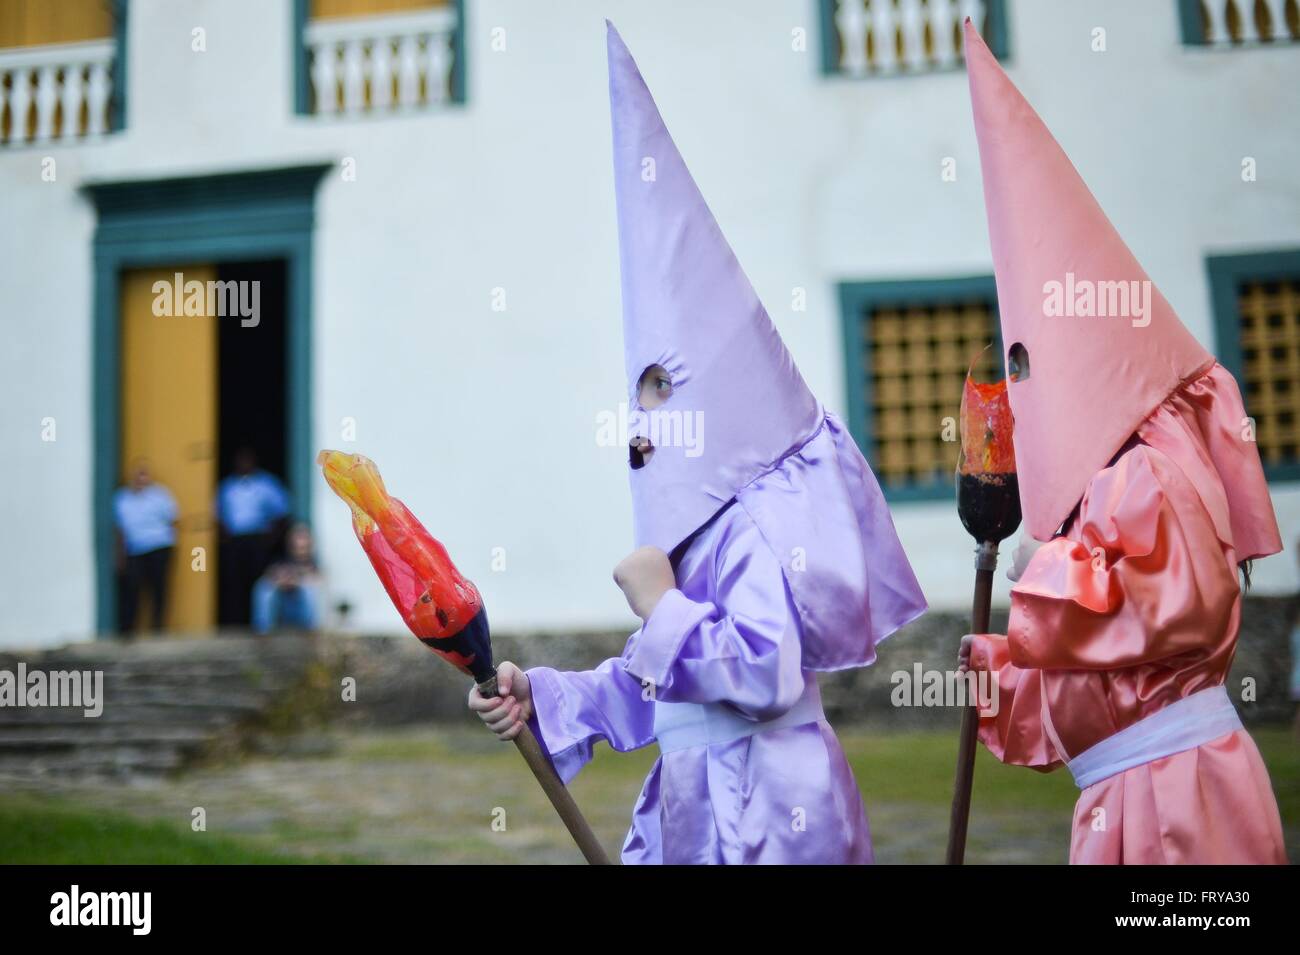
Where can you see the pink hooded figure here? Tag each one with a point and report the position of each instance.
(784, 560)
(1138, 470)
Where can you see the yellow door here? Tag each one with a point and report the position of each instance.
(169, 417)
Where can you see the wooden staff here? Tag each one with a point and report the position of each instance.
(988, 503)
(986, 561)
(554, 788)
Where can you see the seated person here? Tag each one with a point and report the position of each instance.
(290, 593)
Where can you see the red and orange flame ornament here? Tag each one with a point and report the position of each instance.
(440, 606)
(988, 495)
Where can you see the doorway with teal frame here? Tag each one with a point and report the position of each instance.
(228, 219)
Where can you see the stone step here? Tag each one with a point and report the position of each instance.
(71, 765)
(143, 669)
(175, 700)
(163, 701)
(94, 736)
(145, 691)
(252, 670)
(144, 715)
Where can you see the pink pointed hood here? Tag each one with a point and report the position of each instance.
(1097, 366)
(759, 441)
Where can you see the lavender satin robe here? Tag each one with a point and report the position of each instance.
(728, 634)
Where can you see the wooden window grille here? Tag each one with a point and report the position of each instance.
(1270, 350)
(909, 347)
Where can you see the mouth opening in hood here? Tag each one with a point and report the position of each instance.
(639, 450)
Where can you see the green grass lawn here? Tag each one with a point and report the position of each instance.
(919, 767)
(1281, 752)
(372, 799)
(41, 831)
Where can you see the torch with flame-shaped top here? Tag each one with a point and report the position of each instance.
(441, 607)
(988, 502)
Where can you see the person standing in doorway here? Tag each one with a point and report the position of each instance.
(252, 508)
(144, 514)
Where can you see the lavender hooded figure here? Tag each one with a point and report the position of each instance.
(785, 558)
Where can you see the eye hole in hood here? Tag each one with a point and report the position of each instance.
(1017, 363)
(654, 387)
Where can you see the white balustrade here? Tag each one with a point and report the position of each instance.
(911, 22)
(1249, 34)
(883, 37)
(43, 90)
(381, 64)
(408, 72)
(1253, 27)
(439, 60)
(851, 21)
(354, 77)
(1216, 24)
(943, 20)
(1277, 19)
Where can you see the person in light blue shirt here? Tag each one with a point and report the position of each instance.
(250, 501)
(144, 514)
(252, 508)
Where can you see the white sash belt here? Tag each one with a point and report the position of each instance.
(1205, 715)
(683, 725)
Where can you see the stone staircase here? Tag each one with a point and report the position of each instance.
(169, 702)
(165, 703)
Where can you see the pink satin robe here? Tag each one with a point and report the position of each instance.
(1136, 605)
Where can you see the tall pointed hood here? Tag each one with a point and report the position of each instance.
(1061, 269)
(688, 306)
(760, 438)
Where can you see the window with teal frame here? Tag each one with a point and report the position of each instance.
(873, 38)
(907, 347)
(1256, 299)
(63, 72)
(398, 63)
(117, 101)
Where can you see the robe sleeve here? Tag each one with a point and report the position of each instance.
(742, 648)
(1014, 734)
(1143, 576)
(572, 711)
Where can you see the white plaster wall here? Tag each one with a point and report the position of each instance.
(484, 421)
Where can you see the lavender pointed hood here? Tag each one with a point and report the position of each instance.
(688, 306)
(759, 436)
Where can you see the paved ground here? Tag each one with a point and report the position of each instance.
(454, 795)
(451, 794)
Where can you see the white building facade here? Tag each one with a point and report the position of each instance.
(438, 182)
